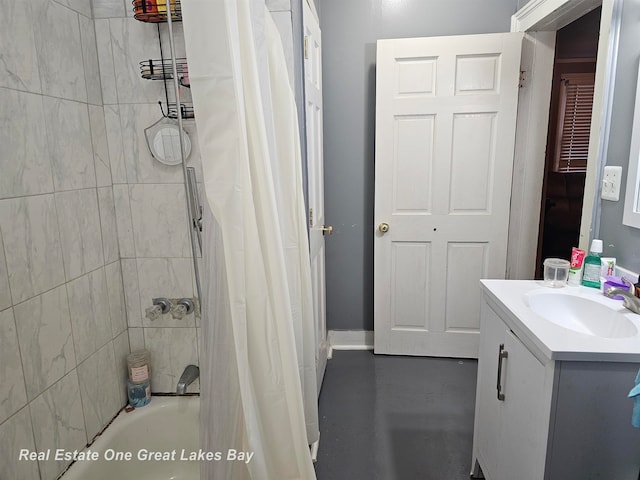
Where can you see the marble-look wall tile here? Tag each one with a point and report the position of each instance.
(278, 5)
(99, 389)
(172, 349)
(79, 219)
(124, 221)
(46, 343)
(114, 139)
(131, 291)
(165, 277)
(131, 42)
(5, 293)
(128, 11)
(29, 227)
(121, 349)
(108, 8)
(90, 319)
(117, 307)
(136, 339)
(100, 146)
(16, 434)
(24, 157)
(81, 6)
(160, 225)
(69, 139)
(140, 164)
(18, 59)
(57, 34)
(108, 224)
(105, 61)
(13, 395)
(58, 422)
(90, 59)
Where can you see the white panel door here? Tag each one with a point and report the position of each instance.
(315, 171)
(445, 130)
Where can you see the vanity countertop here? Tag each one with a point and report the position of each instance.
(550, 341)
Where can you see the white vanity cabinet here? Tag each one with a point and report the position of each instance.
(513, 401)
(539, 418)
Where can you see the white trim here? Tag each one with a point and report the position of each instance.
(631, 216)
(313, 449)
(538, 52)
(550, 14)
(610, 20)
(349, 340)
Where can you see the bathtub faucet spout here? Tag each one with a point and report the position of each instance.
(187, 378)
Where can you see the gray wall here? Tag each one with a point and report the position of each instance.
(349, 33)
(619, 240)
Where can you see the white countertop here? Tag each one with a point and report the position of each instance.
(547, 340)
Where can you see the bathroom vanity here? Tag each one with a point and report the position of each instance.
(554, 370)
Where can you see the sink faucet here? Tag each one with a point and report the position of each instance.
(630, 300)
(187, 378)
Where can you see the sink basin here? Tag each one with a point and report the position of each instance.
(581, 315)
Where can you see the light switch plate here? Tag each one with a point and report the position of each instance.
(611, 183)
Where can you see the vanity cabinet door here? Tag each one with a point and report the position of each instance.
(510, 435)
(524, 428)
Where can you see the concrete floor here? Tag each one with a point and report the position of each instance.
(396, 418)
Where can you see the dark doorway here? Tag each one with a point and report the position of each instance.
(567, 138)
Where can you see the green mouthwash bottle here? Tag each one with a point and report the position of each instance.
(591, 275)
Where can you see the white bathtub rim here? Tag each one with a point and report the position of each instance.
(103, 439)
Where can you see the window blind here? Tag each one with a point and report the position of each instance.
(574, 122)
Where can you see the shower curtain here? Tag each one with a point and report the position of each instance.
(258, 360)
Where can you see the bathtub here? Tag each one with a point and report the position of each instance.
(168, 427)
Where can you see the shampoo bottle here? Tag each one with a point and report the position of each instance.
(591, 275)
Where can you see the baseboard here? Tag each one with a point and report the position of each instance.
(349, 340)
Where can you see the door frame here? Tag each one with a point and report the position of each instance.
(308, 13)
(540, 19)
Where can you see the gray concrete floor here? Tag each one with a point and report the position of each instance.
(396, 418)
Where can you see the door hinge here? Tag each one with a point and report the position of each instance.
(523, 78)
(306, 47)
(311, 218)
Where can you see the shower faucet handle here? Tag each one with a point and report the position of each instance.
(160, 306)
(182, 307)
(178, 312)
(153, 313)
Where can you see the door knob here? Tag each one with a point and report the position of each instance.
(383, 227)
(328, 230)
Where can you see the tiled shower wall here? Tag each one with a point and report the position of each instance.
(63, 326)
(149, 197)
(82, 207)
(150, 202)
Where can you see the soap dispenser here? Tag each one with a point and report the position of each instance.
(591, 275)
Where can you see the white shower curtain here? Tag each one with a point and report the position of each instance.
(258, 361)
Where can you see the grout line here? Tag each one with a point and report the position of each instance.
(84, 64)
(24, 378)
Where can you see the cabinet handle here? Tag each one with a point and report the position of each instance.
(502, 354)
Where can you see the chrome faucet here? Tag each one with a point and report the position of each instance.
(187, 378)
(630, 300)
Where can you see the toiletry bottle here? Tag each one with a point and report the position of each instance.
(576, 266)
(591, 275)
